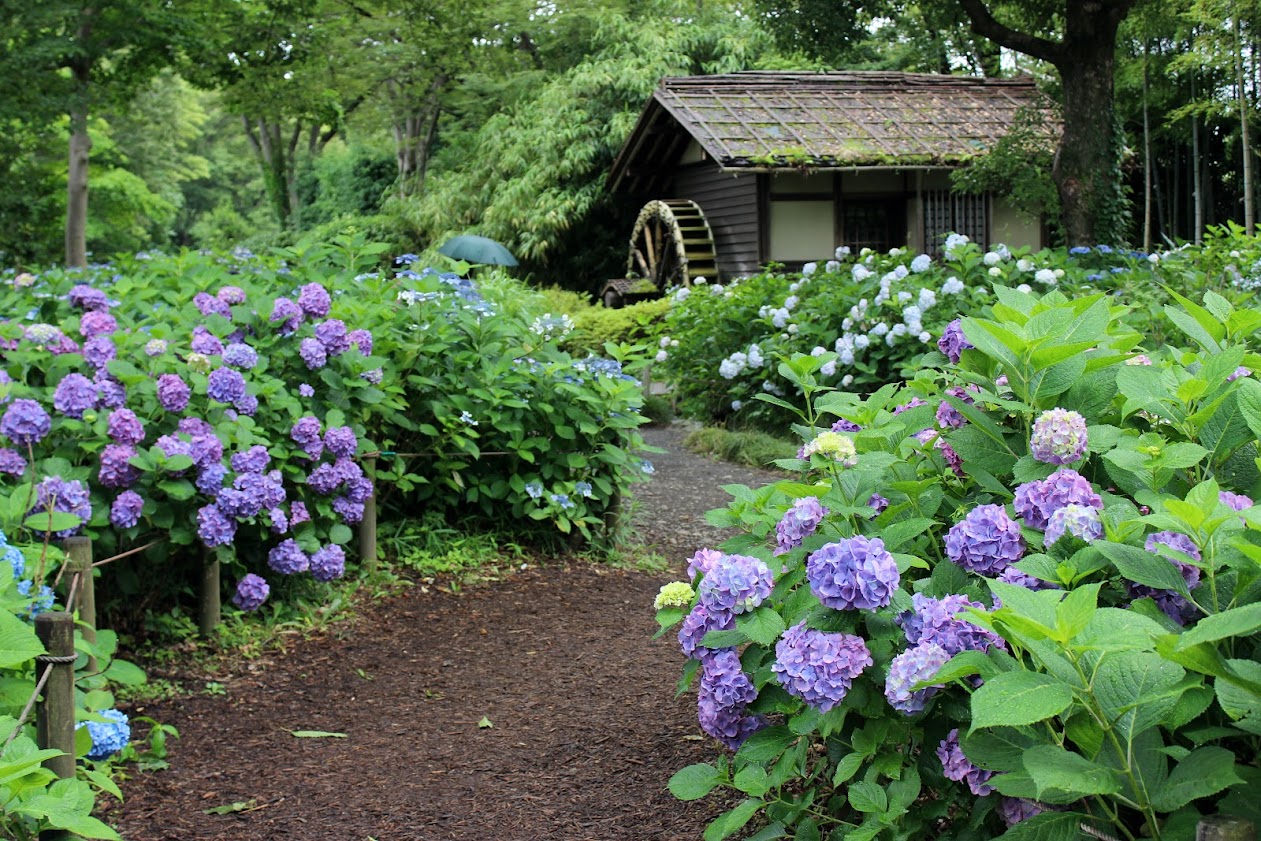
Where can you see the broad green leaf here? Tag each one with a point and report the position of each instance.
(1203, 773)
(996, 749)
(1236, 622)
(846, 769)
(1238, 701)
(767, 743)
(1074, 613)
(18, 642)
(1062, 776)
(751, 779)
(1143, 567)
(1135, 690)
(1015, 698)
(762, 626)
(340, 534)
(1049, 826)
(125, 673)
(694, 781)
(52, 521)
(731, 822)
(867, 797)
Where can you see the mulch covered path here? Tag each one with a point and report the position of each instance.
(559, 658)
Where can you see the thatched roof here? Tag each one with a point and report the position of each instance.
(842, 120)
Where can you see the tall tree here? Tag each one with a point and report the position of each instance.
(69, 57)
(1078, 38)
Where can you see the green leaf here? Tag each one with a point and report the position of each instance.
(485, 723)
(340, 534)
(724, 639)
(316, 734)
(846, 769)
(694, 781)
(767, 743)
(52, 521)
(729, 823)
(1143, 567)
(1062, 776)
(1049, 826)
(125, 673)
(1136, 690)
(1203, 773)
(896, 534)
(1198, 323)
(179, 489)
(1074, 613)
(1235, 700)
(18, 642)
(868, 797)
(1236, 622)
(751, 779)
(1015, 698)
(762, 626)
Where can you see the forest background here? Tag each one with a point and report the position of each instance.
(216, 123)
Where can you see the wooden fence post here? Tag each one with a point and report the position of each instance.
(79, 555)
(613, 516)
(54, 718)
(368, 525)
(210, 607)
(1225, 828)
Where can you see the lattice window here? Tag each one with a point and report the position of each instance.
(960, 213)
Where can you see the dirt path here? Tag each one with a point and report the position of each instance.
(585, 729)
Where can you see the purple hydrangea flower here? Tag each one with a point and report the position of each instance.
(288, 558)
(727, 725)
(1234, 501)
(843, 425)
(124, 427)
(359, 490)
(332, 335)
(306, 390)
(205, 342)
(878, 504)
(723, 680)
(341, 441)
(1013, 810)
(116, 468)
(909, 668)
(279, 521)
(253, 460)
(1017, 576)
(208, 304)
(853, 574)
(210, 479)
(44, 335)
(1173, 603)
(225, 385)
(231, 295)
(324, 479)
(172, 446)
(955, 766)
(328, 563)
(314, 300)
(214, 527)
(246, 404)
(251, 592)
(11, 462)
(1037, 501)
(87, 297)
(94, 323)
(818, 667)
(1059, 437)
(947, 416)
(60, 495)
(361, 339)
(937, 621)
(702, 562)
(25, 422)
(1081, 521)
(350, 511)
(75, 394)
(239, 355)
(312, 353)
(700, 622)
(799, 522)
(298, 514)
(952, 342)
(173, 393)
(1241, 371)
(155, 347)
(737, 583)
(953, 461)
(110, 392)
(99, 352)
(126, 510)
(375, 376)
(985, 542)
(287, 312)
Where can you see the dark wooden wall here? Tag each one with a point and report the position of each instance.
(730, 205)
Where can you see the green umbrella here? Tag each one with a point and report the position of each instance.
(475, 249)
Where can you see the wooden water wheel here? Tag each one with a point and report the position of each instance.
(671, 245)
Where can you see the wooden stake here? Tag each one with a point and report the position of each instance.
(54, 718)
(1225, 828)
(368, 525)
(79, 554)
(210, 607)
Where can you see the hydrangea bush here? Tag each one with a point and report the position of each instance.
(1035, 611)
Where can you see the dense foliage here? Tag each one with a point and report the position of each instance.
(1017, 590)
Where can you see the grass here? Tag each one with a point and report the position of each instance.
(751, 449)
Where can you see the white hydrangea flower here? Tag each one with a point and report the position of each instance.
(818, 350)
(847, 379)
(1025, 288)
(862, 341)
(809, 269)
(992, 258)
(847, 323)
(828, 368)
(880, 329)
(995, 271)
(665, 342)
(771, 388)
(1024, 265)
(792, 329)
(737, 405)
(925, 337)
(911, 313)
(955, 241)
(764, 311)
(832, 266)
(927, 299)
(790, 302)
(755, 356)
(681, 295)
(861, 272)
(662, 356)
(842, 252)
(904, 296)
(952, 286)
(922, 263)
(717, 289)
(847, 357)
(1046, 277)
(733, 365)
(901, 271)
(700, 281)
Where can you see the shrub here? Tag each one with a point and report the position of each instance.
(639, 323)
(748, 447)
(984, 610)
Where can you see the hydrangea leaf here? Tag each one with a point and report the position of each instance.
(867, 796)
(694, 781)
(1143, 567)
(767, 743)
(1204, 772)
(1049, 826)
(1062, 776)
(762, 626)
(731, 822)
(1136, 690)
(1236, 622)
(1016, 698)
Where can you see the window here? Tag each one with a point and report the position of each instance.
(958, 213)
(875, 223)
(802, 217)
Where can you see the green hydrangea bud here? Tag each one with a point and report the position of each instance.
(674, 594)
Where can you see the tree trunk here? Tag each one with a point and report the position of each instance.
(414, 130)
(1197, 222)
(1249, 215)
(1147, 161)
(80, 149)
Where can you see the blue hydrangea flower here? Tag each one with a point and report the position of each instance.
(819, 667)
(1081, 521)
(938, 622)
(214, 527)
(240, 355)
(986, 541)
(955, 766)
(41, 602)
(699, 622)
(306, 433)
(251, 592)
(328, 562)
(1059, 437)
(288, 558)
(1037, 501)
(16, 559)
(69, 496)
(563, 501)
(534, 489)
(646, 466)
(126, 510)
(75, 394)
(225, 385)
(853, 574)
(737, 583)
(799, 522)
(727, 725)
(108, 737)
(909, 668)
(583, 489)
(1173, 603)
